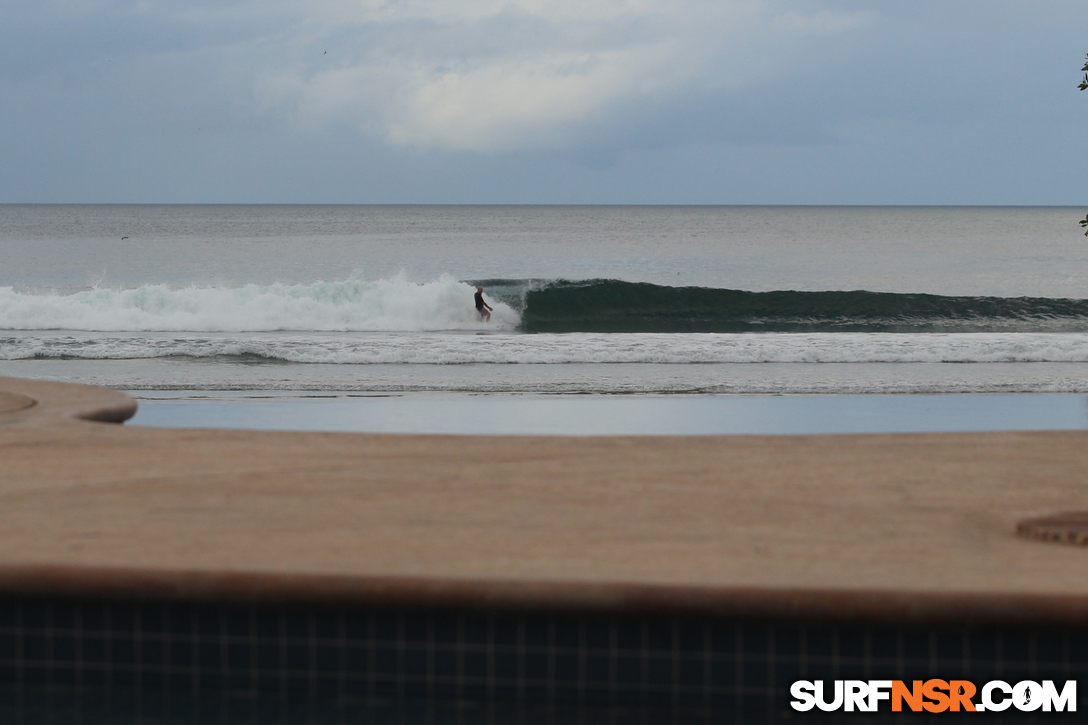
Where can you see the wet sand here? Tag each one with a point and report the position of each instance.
(893, 525)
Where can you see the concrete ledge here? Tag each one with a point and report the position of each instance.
(38, 402)
(903, 528)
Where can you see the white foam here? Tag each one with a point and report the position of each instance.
(386, 304)
(514, 348)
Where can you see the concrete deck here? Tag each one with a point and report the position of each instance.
(919, 526)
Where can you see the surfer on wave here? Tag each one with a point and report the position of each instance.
(482, 307)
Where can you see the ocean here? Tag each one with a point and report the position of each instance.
(689, 319)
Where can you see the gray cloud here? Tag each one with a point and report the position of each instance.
(770, 101)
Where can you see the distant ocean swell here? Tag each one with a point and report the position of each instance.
(598, 306)
(552, 349)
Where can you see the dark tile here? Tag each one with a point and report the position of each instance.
(598, 635)
(445, 661)
(659, 671)
(788, 672)
(475, 629)
(64, 614)
(327, 624)
(446, 689)
(386, 660)
(629, 636)
(787, 643)
(597, 668)
(629, 670)
(415, 661)
(506, 665)
(386, 627)
(950, 648)
(239, 709)
(95, 679)
(1015, 647)
(357, 660)
(209, 623)
(64, 648)
(266, 623)
(445, 629)
(724, 637)
(536, 693)
(537, 633)
(916, 648)
(94, 617)
(1078, 648)
(475, 664)
(297, 623)
(883, 669)
(34, 647)
(851, 643)
(181, 685)
(820, 643)
(153, 619)
(62, 677)
(694, 637)
(35, 614)
(181, 653)
(756, 675)
(237, 622)
(568, 634)
(357, 625)
(884, 644)
(210, 654)
(152, 681)
(536, 666)
(9, 613)
(298, 657)
(328, 657)
(724, 674)
(566, 668)
(416, 630)
(505, 631)
(9, 644)
(270, 656)
(983, 644)
(659, 636)
(326, 689)
(1050, 647)
(693, 671)
(240, 655)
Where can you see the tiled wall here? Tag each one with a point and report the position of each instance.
(97, 661)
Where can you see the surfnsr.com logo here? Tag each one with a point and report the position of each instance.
(933, 696)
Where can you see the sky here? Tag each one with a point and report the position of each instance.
(543, 101)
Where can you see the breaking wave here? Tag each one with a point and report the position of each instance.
(393, 305)
(537, 306)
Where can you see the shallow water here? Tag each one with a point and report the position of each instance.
(531, 414)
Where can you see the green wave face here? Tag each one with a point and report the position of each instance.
(617, 306)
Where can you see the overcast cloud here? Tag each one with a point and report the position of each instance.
(537, 101)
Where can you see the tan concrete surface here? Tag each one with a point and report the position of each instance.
(908, 513)
(11, 402)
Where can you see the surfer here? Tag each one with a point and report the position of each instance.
(482, 307)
